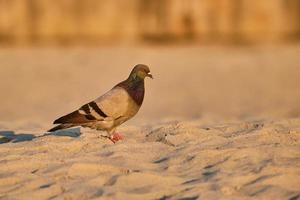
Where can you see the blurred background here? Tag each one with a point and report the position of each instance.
(224, 58)
(159, 21)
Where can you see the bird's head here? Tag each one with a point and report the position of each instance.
(140, 71)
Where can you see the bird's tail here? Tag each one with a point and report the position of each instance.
(60, 127)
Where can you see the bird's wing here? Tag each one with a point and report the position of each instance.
(86, 113)
(114, 104)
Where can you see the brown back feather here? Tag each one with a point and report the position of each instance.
(74, 118)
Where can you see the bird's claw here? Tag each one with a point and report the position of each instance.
(115, 137)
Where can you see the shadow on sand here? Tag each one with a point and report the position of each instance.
(11, 136)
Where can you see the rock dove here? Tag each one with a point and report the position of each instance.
(112, 109)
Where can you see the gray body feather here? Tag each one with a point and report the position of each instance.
(104, 113)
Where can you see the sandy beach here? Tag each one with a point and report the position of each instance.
(216, 123)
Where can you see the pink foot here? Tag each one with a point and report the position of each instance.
(116, 137)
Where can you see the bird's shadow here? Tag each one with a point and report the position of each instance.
(72, 132)
(11, 136)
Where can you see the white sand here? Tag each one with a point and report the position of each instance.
(234, 160)
(231, 131)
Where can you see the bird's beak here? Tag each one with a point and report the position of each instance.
(150, 75)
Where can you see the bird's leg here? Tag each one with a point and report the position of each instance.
(114, 136)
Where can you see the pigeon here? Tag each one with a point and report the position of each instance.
(111, 109)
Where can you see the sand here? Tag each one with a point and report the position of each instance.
(231, 130)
